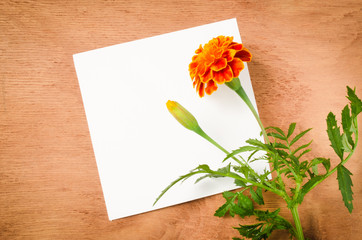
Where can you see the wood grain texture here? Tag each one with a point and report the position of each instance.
(305, 53)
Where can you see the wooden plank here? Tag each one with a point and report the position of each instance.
(305, 53)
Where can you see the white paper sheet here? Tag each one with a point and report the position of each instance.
(139, 147)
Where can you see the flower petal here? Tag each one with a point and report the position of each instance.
(195, 80)
(225, 75)
(244, 55)
(211, 87)
(229, 54)
(200, 89)
(193, 69)
(236, 65)
(201, 69)
(209, 60)
(207, 76)
(225, 41)
(219, 64)
(236, 46)
(217, 52)
(199, 49)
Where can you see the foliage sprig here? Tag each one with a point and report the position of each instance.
(287, 156)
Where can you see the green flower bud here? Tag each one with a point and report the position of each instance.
(183, 116)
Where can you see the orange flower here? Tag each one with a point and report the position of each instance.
(219, 61)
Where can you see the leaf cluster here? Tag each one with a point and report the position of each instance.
(344, 142)
(287, 156)
(268, 222)
(286, 159)
(239, 204)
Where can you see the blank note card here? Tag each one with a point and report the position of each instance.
(139, 147)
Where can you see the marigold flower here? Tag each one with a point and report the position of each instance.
(219, 61)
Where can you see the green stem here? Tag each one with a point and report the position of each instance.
(246, 99)
(205, 136)
(236, 86)
(298, 225)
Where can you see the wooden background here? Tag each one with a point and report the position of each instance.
(305, 53)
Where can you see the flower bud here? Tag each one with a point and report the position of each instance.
(183, 116)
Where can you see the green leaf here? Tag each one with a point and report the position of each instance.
(203, 177)
(345, 185)
(204, 167)
(303, 164)
(244, 169)
(334, 135)
(270, 221)
(291, 129)
(239, 183)
(254, 231)
(252, 154)
(299, 136)
(279, 145)
(347, 125)
(282, 153)
(276, 129)
(257, 195)
(325, 162)
(264, 158)
(241, 150)
(276, 135)
(220, 212)
(295, 160)
(227, 195)
(230, 198)
(301, 147)
(257, 143)
(315, 169)
(183, 177)
(243, 207)
(308, 186)
(266, 215)
(224, 170)
(356, 103)
(285, 171)
(265, 176)
(346, 145)
(304, 152)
